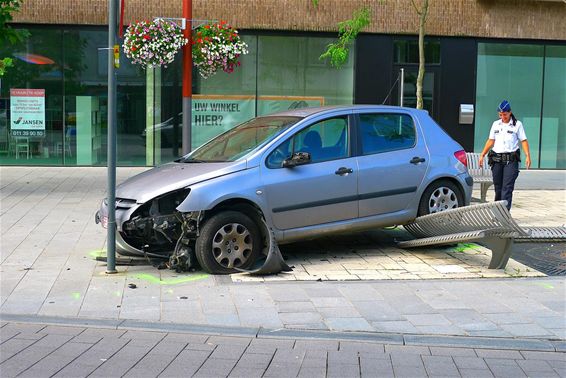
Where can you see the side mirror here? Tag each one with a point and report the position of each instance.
(298, 158)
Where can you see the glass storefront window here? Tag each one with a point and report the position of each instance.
(514, 73)
(553, 136)
(225, 100)
(291, 75)
(31, 101)
(68, 68)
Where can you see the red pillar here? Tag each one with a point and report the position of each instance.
(187, 76)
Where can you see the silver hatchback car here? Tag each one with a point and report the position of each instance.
(304, 173)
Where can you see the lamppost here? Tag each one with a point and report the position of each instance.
(111, 156)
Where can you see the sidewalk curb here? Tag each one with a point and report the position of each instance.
(475, 342)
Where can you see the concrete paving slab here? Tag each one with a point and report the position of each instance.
(64, 238)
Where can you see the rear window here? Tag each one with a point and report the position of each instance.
(383, 132)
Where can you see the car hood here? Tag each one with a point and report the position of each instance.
(172, 176)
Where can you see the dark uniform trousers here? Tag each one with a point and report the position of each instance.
(504, 176)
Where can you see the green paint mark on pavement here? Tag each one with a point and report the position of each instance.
(76, 295)
(97, 253)
(463, 247)
(545, 285)
(170, 281)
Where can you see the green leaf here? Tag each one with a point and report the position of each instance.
(4, 64)
(348, 30)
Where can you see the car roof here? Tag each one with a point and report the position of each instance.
(306, 112)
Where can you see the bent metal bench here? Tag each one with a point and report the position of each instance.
(481, 175)
(488, 223)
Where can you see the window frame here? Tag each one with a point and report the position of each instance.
(359, 139)
(350, 134)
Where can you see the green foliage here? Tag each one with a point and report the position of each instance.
(9, 36)
(348, 30)
(5, 63)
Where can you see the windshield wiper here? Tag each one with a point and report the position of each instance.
(192, 160)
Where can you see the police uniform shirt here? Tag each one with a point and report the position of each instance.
(506, 136)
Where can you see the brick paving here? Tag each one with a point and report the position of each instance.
(40, 350)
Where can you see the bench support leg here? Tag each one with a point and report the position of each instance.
(483, 189)
(501, 249)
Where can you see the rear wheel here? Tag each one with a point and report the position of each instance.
(440, 196)
(228, 240)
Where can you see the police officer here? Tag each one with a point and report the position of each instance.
(504, 138)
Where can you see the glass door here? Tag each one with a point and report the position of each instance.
(430, 88)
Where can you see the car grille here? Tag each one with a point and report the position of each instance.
(125, 203)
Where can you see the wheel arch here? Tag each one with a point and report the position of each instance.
(449, 179)
(242, 205)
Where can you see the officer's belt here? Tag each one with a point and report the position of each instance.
(506, 157)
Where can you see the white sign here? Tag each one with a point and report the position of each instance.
(27, 112)
(213, 115)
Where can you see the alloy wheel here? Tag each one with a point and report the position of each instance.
(232, 245)
(441, 199)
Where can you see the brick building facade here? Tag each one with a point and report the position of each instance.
(525, 19)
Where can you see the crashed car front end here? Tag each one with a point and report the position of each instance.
(151, 228)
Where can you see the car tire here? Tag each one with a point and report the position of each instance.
(228, 240)
(441, 195)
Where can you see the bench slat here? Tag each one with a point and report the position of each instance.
(490, 223)
(482, 175)
(454, 238)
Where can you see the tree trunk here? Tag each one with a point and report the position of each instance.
(420, 77)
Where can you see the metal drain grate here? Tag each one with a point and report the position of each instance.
(544, 234)
(547, 258)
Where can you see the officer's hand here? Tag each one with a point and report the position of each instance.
(481, 161)
(528, 162)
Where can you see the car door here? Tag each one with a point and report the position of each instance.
(321, 191)
(392, 161)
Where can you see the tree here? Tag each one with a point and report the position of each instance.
(422, 11)
(348, 30)
(9, 36)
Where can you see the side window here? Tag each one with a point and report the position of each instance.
(386, 132)
(325, 140)
(276, 157)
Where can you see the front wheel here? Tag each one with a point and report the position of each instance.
(440, 196)
(228, 240)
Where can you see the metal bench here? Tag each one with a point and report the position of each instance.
(488, 223)
(481, 175)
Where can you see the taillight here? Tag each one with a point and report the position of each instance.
(461, 156)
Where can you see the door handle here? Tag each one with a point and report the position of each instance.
(417, 160)
(343, 171)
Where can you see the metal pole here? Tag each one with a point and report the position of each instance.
(401, 86)
(187, 77)
(111, 238)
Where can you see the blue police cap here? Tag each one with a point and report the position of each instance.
(505, 106)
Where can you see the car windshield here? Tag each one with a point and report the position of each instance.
(241, 140)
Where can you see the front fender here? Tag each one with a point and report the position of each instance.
(239, 185)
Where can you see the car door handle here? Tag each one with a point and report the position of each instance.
(343, 171)
(417, 160)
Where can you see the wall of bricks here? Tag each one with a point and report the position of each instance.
(525, 19)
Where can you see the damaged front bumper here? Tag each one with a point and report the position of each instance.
(122, 248)
(182, 256)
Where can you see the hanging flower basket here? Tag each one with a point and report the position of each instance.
(217, 47)
(153, 44)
